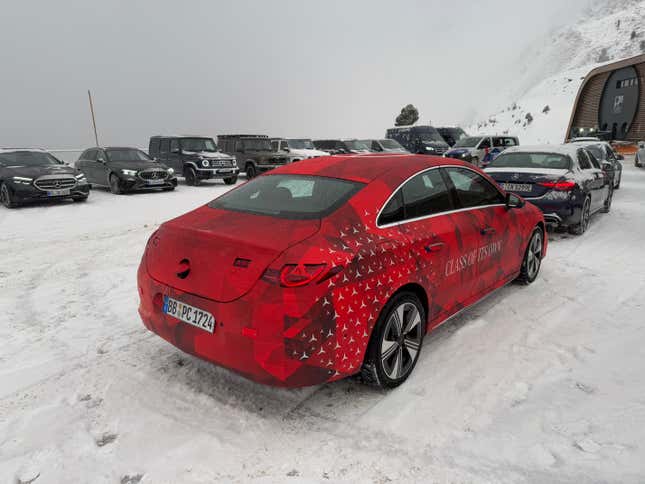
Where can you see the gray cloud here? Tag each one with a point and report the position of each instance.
(286, 67)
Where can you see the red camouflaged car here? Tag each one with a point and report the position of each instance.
(335, 266)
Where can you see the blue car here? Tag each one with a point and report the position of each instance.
(566, 182)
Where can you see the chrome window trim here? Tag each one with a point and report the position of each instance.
(402, 222)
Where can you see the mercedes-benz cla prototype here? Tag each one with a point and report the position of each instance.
(335, 266)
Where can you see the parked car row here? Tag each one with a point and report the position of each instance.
(569, 183)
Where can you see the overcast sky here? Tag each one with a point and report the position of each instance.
(292, 68)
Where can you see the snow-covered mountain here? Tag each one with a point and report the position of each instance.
(549, 73)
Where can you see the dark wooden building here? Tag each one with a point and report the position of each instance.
(611, 102)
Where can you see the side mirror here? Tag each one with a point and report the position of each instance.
(607, 166)
(287, 149)
(513, 201)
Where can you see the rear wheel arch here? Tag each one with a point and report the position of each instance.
(418, 291)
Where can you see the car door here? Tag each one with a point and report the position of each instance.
(164, 152)
(434, 241)
(89, 168)
(173, 155)
(482, 149)
(494, 248)
(99, 168)
(81, 164)
(595, 179)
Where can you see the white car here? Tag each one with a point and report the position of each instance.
(303, 148)
(639, 161)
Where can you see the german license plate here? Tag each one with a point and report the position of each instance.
(155, 182)
(517, 187)
(58, 193)
(189, 314)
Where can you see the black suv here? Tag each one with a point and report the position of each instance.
(125, 170)
(254, 153)
(196, 158)
(424, 140)
(31, 175)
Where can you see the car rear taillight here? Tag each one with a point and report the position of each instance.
(298, 275)
(561, 186)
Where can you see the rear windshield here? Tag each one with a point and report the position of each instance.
(531, 160)
(289, 196)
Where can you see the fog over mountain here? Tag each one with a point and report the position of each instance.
(284, 68)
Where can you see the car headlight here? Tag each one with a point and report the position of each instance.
(80, 178)
(205, 163)
(22, 180)
(129, 172)
(171, 171)
(429, 148)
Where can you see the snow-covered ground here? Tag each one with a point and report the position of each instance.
(550, 72)
(543, 383)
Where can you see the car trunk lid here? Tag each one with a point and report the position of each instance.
(526, 182)
(220, 254)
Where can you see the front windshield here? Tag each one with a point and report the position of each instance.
(427, 133)
(27, 158)
(301, 144)
(355, 145)
(468, 142)
(198, 144)
(128, 154)
(531, 160)
(259, 144)
(390, 144)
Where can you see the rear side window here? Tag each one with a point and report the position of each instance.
(164, 145)
(426, 194)
(485, 143)
(473, 190)
(593, 160)
(90, 155)
(583, 160)
(153, 149)
(393, 210)
(289, 196)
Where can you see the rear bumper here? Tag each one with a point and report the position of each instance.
(558, 213)
(264, 335)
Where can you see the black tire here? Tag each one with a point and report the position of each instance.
(475, 161)
(6, 196)
(585, 215)
(191, 177)
(620, 178)
(251, 171)
(115, 184)
(637, 162)
(607, 205)
(80, 199)
(532, 258)
(168, 189)
(394, 347)
(231, 180)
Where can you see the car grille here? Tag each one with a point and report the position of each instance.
(153, 174)
(55, 182)
(221, 163)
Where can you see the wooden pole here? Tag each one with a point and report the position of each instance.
(96, 136)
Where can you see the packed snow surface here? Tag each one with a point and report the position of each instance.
(543, 383)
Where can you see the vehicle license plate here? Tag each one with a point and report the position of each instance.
(517, 187)
(58, 193)
(189, 314)
(155, 182)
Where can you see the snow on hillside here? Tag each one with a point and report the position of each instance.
(550, 73)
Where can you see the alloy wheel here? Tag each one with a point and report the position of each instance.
(586, 215)
(534, 256)
(5, 197)
(401, 341)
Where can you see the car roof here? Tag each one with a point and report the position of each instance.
(365, 168)
(12, 150)
(180, 136)
(243, 136)
(566, 149)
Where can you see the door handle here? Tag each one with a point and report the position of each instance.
(487, 231)
(433, 247)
